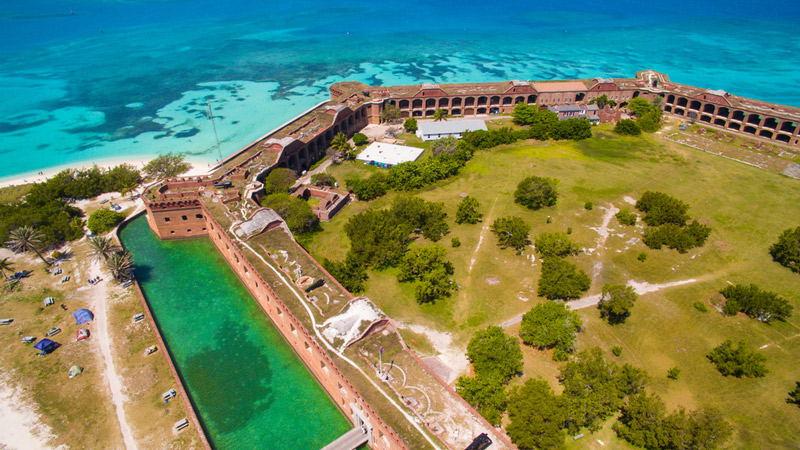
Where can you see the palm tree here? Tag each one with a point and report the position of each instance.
(26, 238)
(341, 146)
(439, 114)
(101, 248)
(127, 188)
(5, 265)
(120, 264)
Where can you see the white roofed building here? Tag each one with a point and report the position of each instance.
(382, 154)
(428, 131)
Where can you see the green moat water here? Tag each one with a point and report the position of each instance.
(248, 386)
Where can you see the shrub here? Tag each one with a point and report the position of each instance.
(295, 211)
(786, 251)
(569, 230)
(323, 179)
(360, 139)
(369, 188)
(390, 112)
(617, 302)
(673, 373)
(429, 266)
(642, 257)
(794, 396)
(467, 211)
(535, 192)
(279, 181)
(103, 220)
(700, 306)
(739, 362)
(486, 394)
(626, 217)
(349, 273)
(562, 280)
(660, 208)
(549, 220)
(616, 350)
(676, 237)
(754, 302)
(555, 245)
(650, 122)
(627, 127)
(495, 354)
(410, 125)
(455, 242)
(511, 232)
(447, 145)
(573, 129)
(588, 206)
(535, 416)
(550, 325)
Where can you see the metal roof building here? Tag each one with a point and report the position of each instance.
(428, 131)
(386, 155)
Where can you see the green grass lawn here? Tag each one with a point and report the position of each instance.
(747, 209)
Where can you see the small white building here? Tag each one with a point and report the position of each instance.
(382, 154)
(428, 131)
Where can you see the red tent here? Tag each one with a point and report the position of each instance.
(82, 334)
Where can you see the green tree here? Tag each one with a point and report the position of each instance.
(495, 354)
(562, 280)
(739, 362)
(641, 422)
(120, 264)
(369, 188)
(342, 147)
(467, 211)
(762, 305)
(410, 125)
(639, 106)
(628, 127)
(550, 325)
(650, 122)
(525, 114)
(535, 192)
(360, 139)
(295, 211)
(279, 181)
(794, 396)
(602, 101)
(617, 302)
(349, 273)
(323, 179)
(166, 166)
(390, 112)
(660, 208)
(26, 238)
(786, 251)
(5, 265)
(626, 217)
(377, 238)
(421, 261)
(102, 247)
(511, 232)
(446, 145)
(439, 114)
(673, 373)
(103, 220)
(573, 129)
(535, 417)
(427, 217)
(556, 244)
(486, 394)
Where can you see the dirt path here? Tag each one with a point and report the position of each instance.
(484, 231)
(641, 288)
(99, 298)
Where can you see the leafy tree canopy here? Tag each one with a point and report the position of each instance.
(427, 217)
(555, 245)
(447, 145)
(739, 361)
(627, 127)
(495, 354)
(786, 251)
(573, 129)
(626, 217)
(757, 304)
(103, 220)
(511, 232)
(377, 238)
(166, 166)
(602, 101)
(390, 112)
(550, 325)
(616, 302)
(535, 192)
(535, 417)
(410, 124)
(323, 179)
(562, 280)
(525, 114)
(467, 211)
(429, 266)
(486, 394)
(349, 273)
(360, 139)
(279, 181)
(660, 208)
(368, 188)
(295, 211)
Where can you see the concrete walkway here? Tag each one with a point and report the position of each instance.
(348, 441)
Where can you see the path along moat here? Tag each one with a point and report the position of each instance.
(249, 388)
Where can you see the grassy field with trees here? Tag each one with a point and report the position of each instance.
(741, 211)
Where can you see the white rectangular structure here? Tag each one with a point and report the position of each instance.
(428, 131)
(387, 155)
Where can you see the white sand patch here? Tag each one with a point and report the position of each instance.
(630, 200)
(347, 325)
(20, 428)
(643, 287)
(453, 357)
(604, 230)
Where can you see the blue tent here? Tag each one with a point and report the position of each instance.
(46, 346)
(83, 316)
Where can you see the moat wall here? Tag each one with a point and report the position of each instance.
(198, 223)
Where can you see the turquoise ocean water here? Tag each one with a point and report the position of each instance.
(249, 388)
(88, 81)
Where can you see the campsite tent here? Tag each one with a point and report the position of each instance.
(82, 334)
(46, 346)
(75, 371)
(83, 316)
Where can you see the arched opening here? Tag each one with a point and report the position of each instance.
(765, 133)
(679, 111)
(695, 105)
(519, 100)
(481, 110)
(482, 100)
(404, 114)
(671, 99)
(417, 103)
(531, 99)
(720, 122)
(495, 100)
(580, 96)
(403, 104)
(749, 129)
(668, 108)
(723, 111)
(738, 115)
(455, 112)
(443, 102)
(494, 110)
(469, 111)
(430, 103)
(456, 102)
(709, 108)
(329, 135)
(788, 127)
(734, 126)
(783, 138)
(470, 101)
(683, 101)
(507, 100)
(705, 118)
(771, 122)
(635, 94)
(417, 114)
(755, 119)
(429, 112)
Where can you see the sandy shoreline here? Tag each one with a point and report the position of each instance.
(199, 167)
